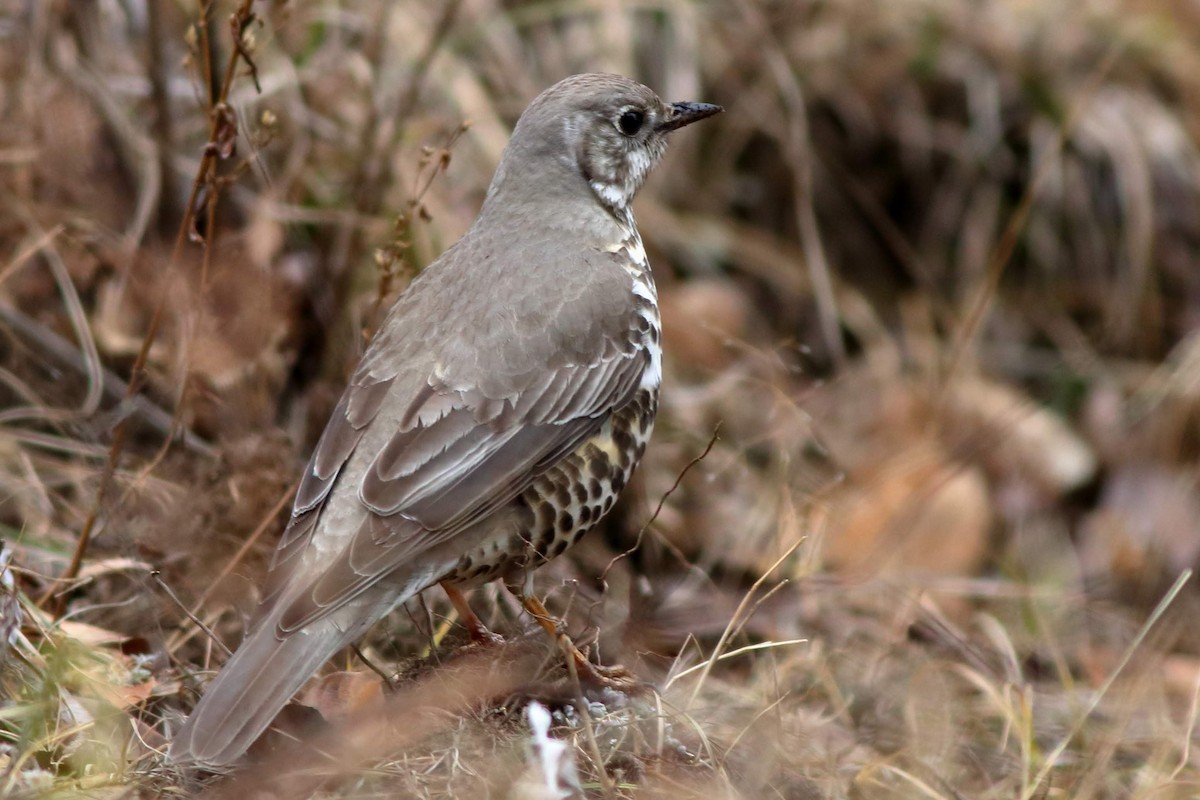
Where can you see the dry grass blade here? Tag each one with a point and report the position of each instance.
(182, 636)
(735, 621)
(1051, 760)
(800, 153)
(1000, 258)
(205, 176)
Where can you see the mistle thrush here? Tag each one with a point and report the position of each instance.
(494, 417)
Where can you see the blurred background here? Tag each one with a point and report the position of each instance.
(922, 503)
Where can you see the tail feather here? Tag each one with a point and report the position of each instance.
(268, 668)
(251, 689)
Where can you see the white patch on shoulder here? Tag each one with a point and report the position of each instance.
(642, 286)
(610, 194)
(637, 252)
(642, 289)
(652, 377)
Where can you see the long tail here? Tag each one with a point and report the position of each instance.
(251, 689)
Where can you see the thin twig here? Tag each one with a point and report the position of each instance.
(263, 524)
(390, 258)
(661, 502)
(750, 648)
(377, 142)
(195, 620)
(51, 344)
(383, 676)
(762, 712)
(585, 716)
(797, 146)
(219, 121)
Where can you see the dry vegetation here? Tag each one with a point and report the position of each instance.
(932, 290)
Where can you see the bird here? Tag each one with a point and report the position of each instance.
(493, 418)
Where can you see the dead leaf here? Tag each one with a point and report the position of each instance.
(95, 569)
(916, 512)
(126, 696)
(1016, 438)
(342, 694)
(90, 635)
(701, 319)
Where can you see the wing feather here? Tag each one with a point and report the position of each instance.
(446, 473)
(359, 404)
(457, 432)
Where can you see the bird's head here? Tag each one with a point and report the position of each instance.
(608, 130)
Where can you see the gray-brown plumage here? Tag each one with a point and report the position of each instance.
(494, 417)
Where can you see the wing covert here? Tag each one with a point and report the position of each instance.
(454, 468)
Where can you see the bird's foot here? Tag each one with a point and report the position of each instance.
(614, 677)
(480, 634)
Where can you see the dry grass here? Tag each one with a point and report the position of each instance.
(933, 280)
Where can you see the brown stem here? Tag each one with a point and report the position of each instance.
(205, 176)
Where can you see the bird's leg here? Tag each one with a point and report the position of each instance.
(478, 631)
(615, 677)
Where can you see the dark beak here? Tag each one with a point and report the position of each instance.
(686, 113)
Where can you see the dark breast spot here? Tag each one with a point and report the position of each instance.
(598, 467)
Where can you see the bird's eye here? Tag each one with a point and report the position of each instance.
(631, 122)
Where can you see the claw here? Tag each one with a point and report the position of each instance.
(616, 678)
(613, 677)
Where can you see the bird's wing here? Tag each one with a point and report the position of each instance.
(455, 457)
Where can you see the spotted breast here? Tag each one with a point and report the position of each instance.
(570, 497)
